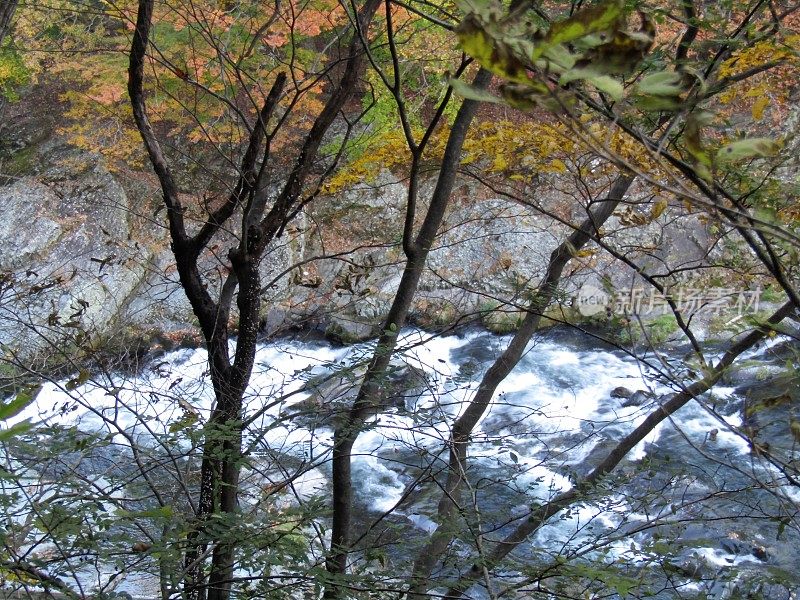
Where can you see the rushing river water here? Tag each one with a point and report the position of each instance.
(725, 513)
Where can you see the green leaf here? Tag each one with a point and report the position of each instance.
(590, 41)
(470, 92)
(474, 41)
(81, 378)
(666, 83)
(606, 84)
(749, 148)
(14, 430)
(658, 209)
(657, 103)
(781, 527)
(23, 398)
(560, 57)
(766, 214)
(794, 427)
(694, 145)
(185, 422)
(623, 586)
(567, 31)
(704, 172)
(159, 512)
(534, 95)
(584, 22)
(13, 74)
(514, 457)
(7, 475)
(490, 50)
(485, 8)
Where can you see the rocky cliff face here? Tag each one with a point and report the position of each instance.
(84, 255)
(490, 255)
(85, 260)
(86, 265)
(68, 252)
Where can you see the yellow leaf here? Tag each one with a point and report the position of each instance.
(500, 163)
(758, 107)
(657, 209)
(794, 425)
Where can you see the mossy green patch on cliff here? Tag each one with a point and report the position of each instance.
(501, 319)
(13, 74)
(18, 164)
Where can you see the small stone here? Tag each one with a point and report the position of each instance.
(731, 545)
(141, 547)
(638, 398)
(621, 392)
(760, 553)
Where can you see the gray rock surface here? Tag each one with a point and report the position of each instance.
(492, 247)
(67, 251)
(84, 250)
(84, 255)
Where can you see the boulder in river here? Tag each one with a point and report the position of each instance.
(631, 398)
(638, 398)
(621, 392)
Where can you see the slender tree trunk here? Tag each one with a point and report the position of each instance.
(219, 480)
(462, 428)
(370, 392)
(230, 442)
(540, 515)
(7, 8)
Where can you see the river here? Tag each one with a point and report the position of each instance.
(692, 510)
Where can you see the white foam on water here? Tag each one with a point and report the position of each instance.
(380, 485)
(553, 392)
(309, 483)
(789, 491)
(305, 444)
(720, 558)
(446, 394)
(539, 481)
(422, 522)
(639, 451)
(704, 429)
(520, 382)
(721, 391)
(432, 353)
(582, 524)
(282, 368)
(560, 358)
(526, 474)
(140, 406)
(568, 388)
(376, 478)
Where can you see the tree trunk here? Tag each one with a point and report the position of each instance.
(219, 480)
(462, 428)
(540, 515)
(369, 393)
(229, 443)
(7, 8)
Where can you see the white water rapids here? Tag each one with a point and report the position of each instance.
(550, 419)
